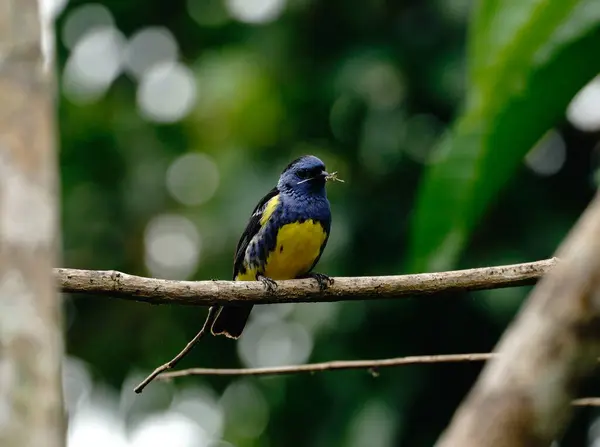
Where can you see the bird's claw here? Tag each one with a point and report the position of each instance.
(269, 284)
(323, 280)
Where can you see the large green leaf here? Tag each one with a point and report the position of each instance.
(528, 58)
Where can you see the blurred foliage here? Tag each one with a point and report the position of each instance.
(527, 60)
(372, 88)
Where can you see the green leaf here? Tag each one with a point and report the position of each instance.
(527, 59)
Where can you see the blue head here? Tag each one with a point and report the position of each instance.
(304, 176)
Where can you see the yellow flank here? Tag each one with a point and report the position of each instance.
(269, 208)
(248, 275)
(298, 245)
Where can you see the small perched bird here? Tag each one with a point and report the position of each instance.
(284, 238)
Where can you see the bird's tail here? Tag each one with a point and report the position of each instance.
(231, 320)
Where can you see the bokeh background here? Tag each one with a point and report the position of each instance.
(175, 117)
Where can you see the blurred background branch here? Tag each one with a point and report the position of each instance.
(522, 396)
(206, 293)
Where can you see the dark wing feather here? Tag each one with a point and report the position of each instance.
(252, 228)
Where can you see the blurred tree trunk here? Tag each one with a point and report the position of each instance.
(523, 396)
(31, 346)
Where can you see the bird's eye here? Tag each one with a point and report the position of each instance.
(303, 173)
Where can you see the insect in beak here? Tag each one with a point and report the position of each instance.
(333, 177)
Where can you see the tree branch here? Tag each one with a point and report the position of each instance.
(208, 293)
(372, 365)
(212, 313)
(522, 397)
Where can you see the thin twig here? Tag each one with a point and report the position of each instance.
(371, 365)
(335, 365)
(208, 293)
(212, 313)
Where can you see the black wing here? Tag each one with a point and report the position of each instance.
(251, 229)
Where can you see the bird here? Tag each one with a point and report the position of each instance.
(283, 239)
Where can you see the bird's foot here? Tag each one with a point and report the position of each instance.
(323, 280)
(269, 284)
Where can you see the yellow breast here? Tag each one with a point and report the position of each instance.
(298, 246)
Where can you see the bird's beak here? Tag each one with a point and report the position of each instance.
(324, 174)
